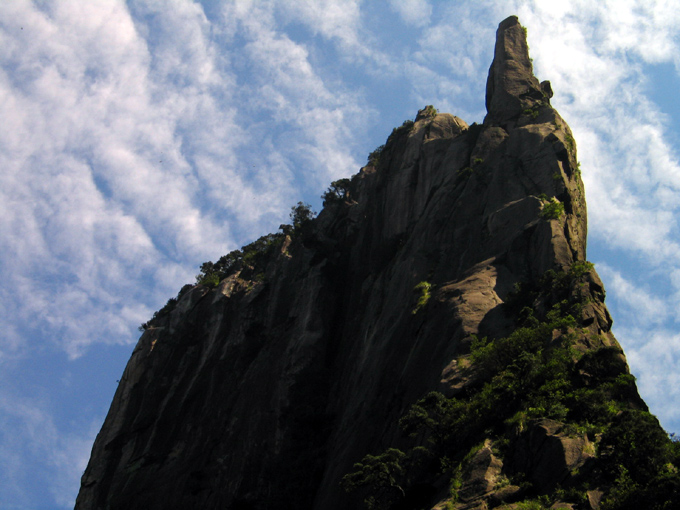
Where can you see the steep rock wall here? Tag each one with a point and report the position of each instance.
(262, 393)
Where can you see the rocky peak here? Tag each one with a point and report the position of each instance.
(511, 86)
(440, 301)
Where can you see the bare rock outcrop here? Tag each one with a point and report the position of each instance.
(511, 86)
(483, 471)
(549, 455)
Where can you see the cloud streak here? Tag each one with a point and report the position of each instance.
(654, 362)
(86, 195)
(125, 154)
(65, 455)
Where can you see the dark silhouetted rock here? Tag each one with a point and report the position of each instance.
(262, 392)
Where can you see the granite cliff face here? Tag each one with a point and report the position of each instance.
(264, 390)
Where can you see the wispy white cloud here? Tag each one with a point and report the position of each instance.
(413, 12)
(447, 63)
(647, 28)
(640, 305)
(36, 437)
(97, 182)
(322, 117)
(654, 355)
(134, 152)
(338, 20)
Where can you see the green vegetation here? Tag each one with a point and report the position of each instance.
(380, 474)
(301, 216)
(337, 192)
(210, 279)
(641, 462)
(251, 258)
(254, 256)
(455, 484)
(423, 288)
(523, 371)
(532, 112)
(553, 210)
(571, 144)
(539, 371)
(464, 173)
(429, 111)
(527, 372)
(407, 126)
(374, 157)
(562, 287)
(533, 504)
(169, 307)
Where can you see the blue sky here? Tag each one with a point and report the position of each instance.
(141, 139)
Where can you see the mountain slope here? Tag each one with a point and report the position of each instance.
(454, 261)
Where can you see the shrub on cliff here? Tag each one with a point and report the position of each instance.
(406, 127)
(301, 216)
(553, 210)
(336, 192)
(381, 475)
(423, 289)
(374, 156)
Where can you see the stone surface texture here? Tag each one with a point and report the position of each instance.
(262, 393)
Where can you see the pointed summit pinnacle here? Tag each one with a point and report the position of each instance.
(511, 86)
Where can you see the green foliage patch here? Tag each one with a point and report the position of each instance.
(532, 112)
(429, 111)
(254, 257)
(301, 216)
(211, 279)
(374, 157)
(167, 308)
(570, 143)
(407, 127)
(464, 173)
(533, 374)
(641, 462)
(337, 192)
(553, 210)
(381, 474)
(527, 372)
(424, 291)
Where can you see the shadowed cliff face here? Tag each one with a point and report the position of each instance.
(262, 392)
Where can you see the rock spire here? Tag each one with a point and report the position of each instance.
(511, 86)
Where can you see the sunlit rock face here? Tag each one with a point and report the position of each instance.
(262, 392)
